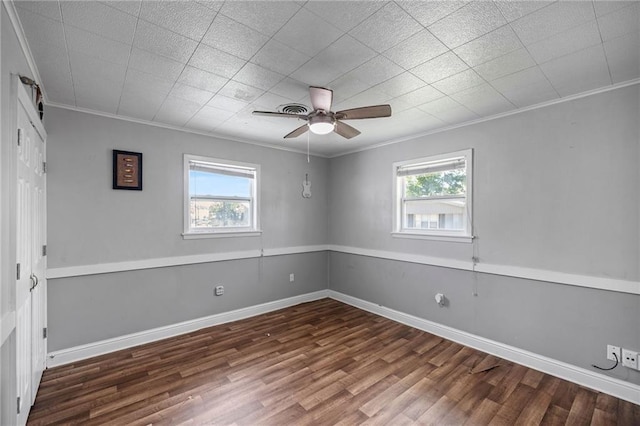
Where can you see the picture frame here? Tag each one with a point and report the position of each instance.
(127, 170)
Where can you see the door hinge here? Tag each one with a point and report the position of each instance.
(44, 250)
(44, 333)
(19, 136)
(44, 167)
(18, 405)
(18, 272)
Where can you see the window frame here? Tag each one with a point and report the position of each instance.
(252, 230)
(398, 230)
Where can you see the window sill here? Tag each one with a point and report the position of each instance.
(450, 238)
(220, 234)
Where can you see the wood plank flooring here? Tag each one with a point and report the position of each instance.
(318, 363)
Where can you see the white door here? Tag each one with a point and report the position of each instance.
(30, 239)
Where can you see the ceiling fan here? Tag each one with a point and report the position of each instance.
(322, 120)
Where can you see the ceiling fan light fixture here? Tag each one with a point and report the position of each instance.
(322, 124)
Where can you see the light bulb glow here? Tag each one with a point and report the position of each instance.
(321, 125)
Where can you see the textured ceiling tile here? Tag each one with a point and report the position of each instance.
(293, 89)
(98, 69)
(280, 58)
(370, 96)
(468, 23)
(104, 97)
(264, 16)
(226, 103)
(448, 110)
(256, 76)
(606, 7)
(94, 45)
(506, 64)
(53, 66)
(187, 18)
(489, 46)
(143, 106)
(307, 33)
(386, 28)
(270, 102)
(526, 87)
(400, 85)
(216, 61)
(132, 7)
(461, 81)
(552, 20)
(441, 67)
(350, 14)
(623, 57)
(49, 9)
(347, 86)
(191, 93)
(316, 72)
(346, 54)
(155, 64)
(483, 100)
(578, 72)
(160, 41)
(42, 30)
(206, 119)
(415, 50)
(429, 12)
(240, 91)
(202, 79)
(232, 37)
(176, 111)
(138, 81)
(212, 4)
(620, 22)
(100, 19)
(420, 96)
(577, 38)
(513, 10)
(377, 70)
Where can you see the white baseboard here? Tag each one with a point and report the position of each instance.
(78, 353)
(609, 385)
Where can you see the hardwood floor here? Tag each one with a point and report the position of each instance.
(320, 363)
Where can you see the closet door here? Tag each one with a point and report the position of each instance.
(30, 256)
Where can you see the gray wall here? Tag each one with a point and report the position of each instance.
(92, 308)
(89, 223)
(554, 189)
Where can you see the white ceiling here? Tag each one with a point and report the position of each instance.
(205, 66)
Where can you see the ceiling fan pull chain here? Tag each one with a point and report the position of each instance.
(308, 136)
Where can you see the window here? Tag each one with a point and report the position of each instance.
(221, 197)
(433, 197)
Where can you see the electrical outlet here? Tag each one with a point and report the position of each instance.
(292, 278)
(611, 350)
(219, 291)
(630, 358)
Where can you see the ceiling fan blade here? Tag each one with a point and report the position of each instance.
(297, 132)
(345, 130)
(280, 114)
(321, 98)
(374, 111)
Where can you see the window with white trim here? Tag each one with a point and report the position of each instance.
(433, 196)
(220, 197)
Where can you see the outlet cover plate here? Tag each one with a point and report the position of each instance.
(630, 358)
(613, 350)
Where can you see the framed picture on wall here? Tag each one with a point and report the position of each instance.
(127, 170)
